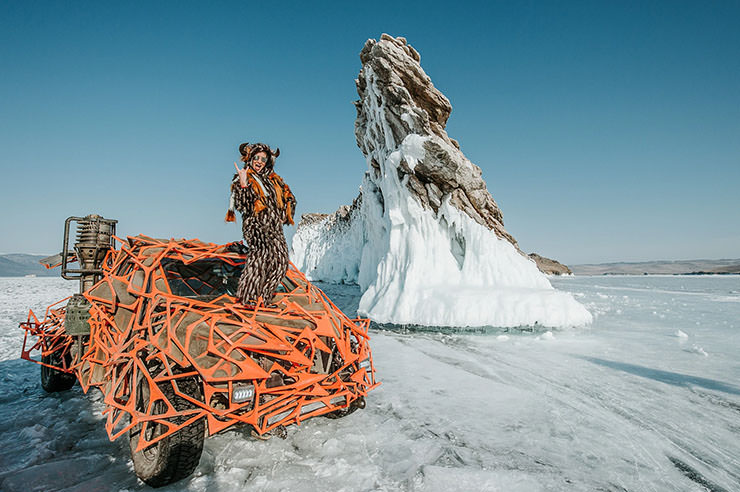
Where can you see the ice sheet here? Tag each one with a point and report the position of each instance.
(623, 405)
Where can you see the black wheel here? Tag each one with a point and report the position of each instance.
(177, 455)
(343, 412)
(53, 380)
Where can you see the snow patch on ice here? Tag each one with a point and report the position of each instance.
(695, 349)
(546, 336)
(681, 335)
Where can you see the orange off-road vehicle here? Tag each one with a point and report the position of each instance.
(157, 329)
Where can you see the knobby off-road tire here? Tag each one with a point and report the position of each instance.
(176, 456)
(53, 380)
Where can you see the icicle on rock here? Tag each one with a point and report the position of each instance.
(425, 240)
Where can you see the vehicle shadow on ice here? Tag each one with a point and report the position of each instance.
(673, 378)
(56, 441)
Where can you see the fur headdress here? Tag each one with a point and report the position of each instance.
(248, 151)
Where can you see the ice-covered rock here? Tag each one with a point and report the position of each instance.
(549, 266)
(425, 239)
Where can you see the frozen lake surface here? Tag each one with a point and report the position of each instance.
(645, 399)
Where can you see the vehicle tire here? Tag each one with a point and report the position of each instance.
(53, 380)
(176, 456)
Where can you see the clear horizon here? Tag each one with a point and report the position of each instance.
(605, 132)
(566, 264)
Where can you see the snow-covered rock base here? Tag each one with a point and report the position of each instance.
(424, 240)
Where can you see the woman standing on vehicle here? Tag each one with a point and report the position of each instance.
(266, 204)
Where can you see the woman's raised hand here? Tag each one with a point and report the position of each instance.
(242, 175)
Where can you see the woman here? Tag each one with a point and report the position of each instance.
(265, 203)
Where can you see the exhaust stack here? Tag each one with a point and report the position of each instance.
(94, 239)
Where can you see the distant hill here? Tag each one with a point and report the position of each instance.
(680, 267)
(20, 265)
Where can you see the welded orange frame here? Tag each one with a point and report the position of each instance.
(220, 342)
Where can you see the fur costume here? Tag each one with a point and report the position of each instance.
(266, 203)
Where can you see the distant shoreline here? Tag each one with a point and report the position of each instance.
(689, 274)
(21, 265)
(661, 267)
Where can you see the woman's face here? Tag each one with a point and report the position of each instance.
(259, 161)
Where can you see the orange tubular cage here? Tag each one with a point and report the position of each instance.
(172, 359)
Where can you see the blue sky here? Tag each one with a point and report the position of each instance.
(606, 131)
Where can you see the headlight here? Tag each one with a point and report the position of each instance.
(242, 393)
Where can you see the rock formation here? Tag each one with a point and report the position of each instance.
(550, 267)
(392, 73)
(425, 240)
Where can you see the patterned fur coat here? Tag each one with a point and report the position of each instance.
(266, 204)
